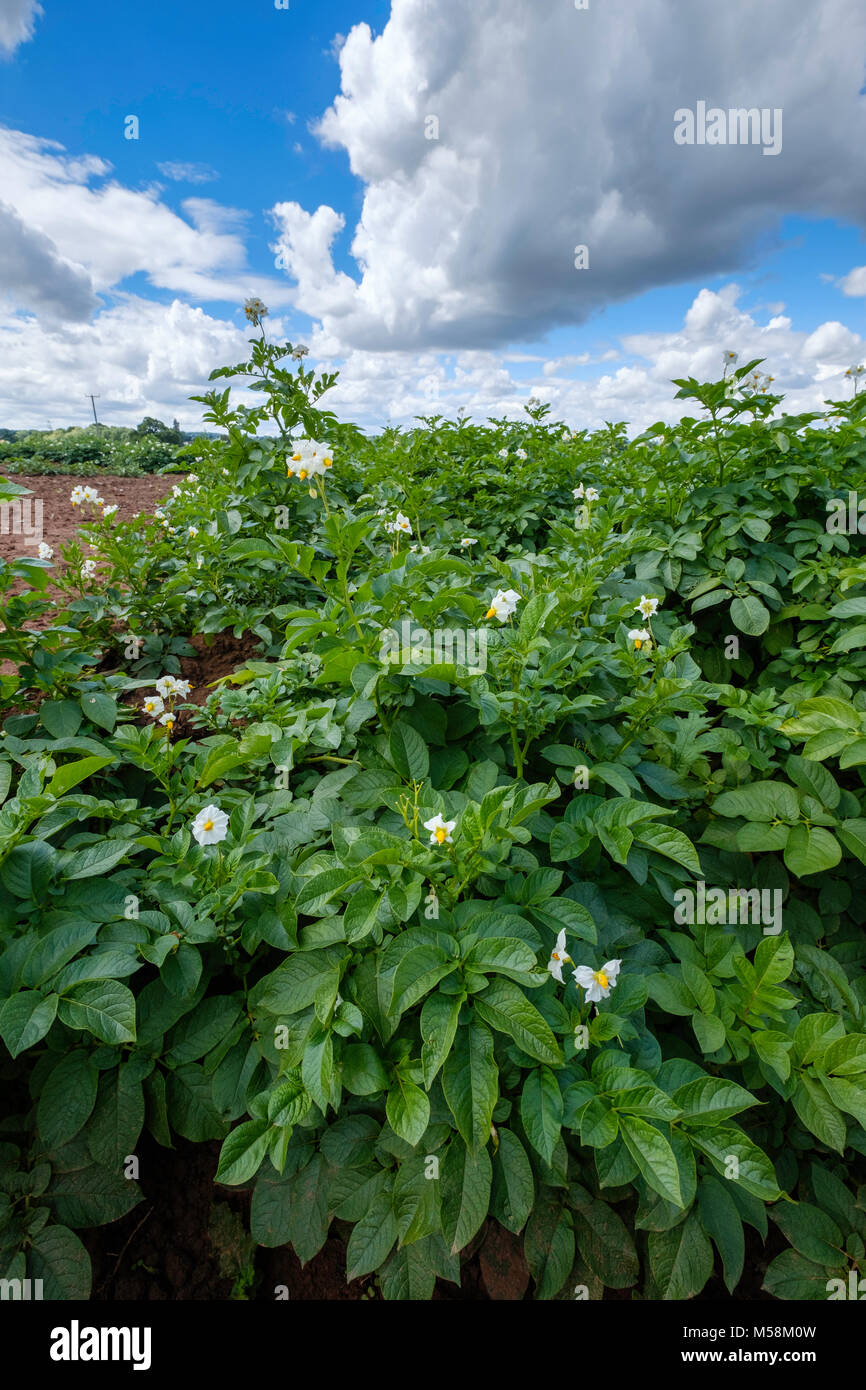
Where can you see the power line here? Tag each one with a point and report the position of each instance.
(93, 400)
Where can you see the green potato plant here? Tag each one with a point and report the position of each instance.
(518, 877)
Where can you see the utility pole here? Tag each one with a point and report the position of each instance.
(93, 400)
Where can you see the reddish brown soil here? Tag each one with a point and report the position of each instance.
(60, 523)
(60, 520)
(224, 655)
(216, 656)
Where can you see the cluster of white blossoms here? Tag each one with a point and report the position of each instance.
(400, 523)
(641, 636)
(45, 551)
(210, 826)
(585, 494)
(255, 310)
(503, 604)
(597, 983)
(518, 453)
(855, 373)
(88, 569)
(440, 830)
(753, 385)
(81, 494)
(311, 458)
(168, 689)
(170, 686)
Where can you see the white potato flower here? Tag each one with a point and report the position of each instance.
(440, 830)
(592, 494)
(640, 637)
(503, 453)
(558, 957)
(169, 720)
(310, 457)
(154, 706)
(522, 454)
(81, 494)
(210, 826)
(109, 509)
(647, 607)
(88, 569)
(503, 604)
(597, 983)
(169, 685)
(467, 541)
(255, 309)
(45, 551)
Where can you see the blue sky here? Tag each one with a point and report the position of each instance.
(214, 82)
(126, 261)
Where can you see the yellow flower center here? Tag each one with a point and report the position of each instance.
(303, 474)
(491, 613)
(441, 833)
(208, 825)
(601, 978)
(327, 463)
(638, 643)
(291, 472)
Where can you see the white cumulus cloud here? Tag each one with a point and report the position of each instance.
(113, 232)
(17, 22)
(552, 128)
